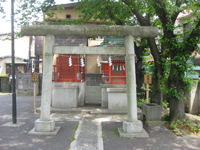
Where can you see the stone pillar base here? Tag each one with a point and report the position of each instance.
(44, 126)
(132, 129)
(153, 123)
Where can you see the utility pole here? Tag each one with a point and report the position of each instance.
(14, 110)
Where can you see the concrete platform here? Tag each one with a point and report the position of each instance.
(132, 135)
(55, 132)
(10, 124)
(91, 110)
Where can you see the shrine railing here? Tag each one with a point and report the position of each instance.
(77, 76)
(112, 78)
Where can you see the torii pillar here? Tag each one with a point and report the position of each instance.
(132, 127)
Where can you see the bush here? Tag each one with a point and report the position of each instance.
(4, 75)
(140, 101)
(165, 104)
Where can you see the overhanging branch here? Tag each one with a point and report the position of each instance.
(141, 19)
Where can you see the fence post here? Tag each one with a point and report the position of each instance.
(9, 85)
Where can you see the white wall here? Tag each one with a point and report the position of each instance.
(4, 61)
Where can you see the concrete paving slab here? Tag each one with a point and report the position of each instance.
(11, 124)
(88, 136)
(66, 117)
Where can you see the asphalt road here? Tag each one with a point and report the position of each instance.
(17, 138)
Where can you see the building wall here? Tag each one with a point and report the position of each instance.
(21, 51)
(73, 13)
(2, 66)
(40, 67)
(4, 61)
(91, 64)
(24, 86)
(21, 68)
(192, 100)
(67, 11)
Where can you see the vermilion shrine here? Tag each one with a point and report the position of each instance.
(73, 85)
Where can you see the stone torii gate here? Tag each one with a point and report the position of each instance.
(132, 127)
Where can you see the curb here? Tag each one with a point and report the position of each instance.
(100, 139)
(77, 132)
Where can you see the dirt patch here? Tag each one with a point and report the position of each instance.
(184, 129)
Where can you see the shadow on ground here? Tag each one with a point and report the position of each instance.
(160, 139)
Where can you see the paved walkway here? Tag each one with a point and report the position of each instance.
(94, 132)
(88, 136)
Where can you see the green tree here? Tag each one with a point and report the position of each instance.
(172, 50)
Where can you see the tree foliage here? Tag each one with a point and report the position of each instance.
(170, 51)
(1, 7)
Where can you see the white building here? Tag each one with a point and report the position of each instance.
(22, 47)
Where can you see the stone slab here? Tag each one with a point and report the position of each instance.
(10, 124)
(116, 90)
(113, 85)
(153, 123)
(117, 101)
(133, 135)
(24, 92)
(93, 94)
(55, 132)
(104, 97)
(65, 97)
(81, 89)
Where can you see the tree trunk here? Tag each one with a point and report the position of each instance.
(156, 95)
(140, 78)
(139, 70)
(177, 107)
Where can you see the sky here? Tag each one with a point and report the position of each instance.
(5, 24)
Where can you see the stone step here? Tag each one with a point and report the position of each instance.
(91, 110)
(88, 136)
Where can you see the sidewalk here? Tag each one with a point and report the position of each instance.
(18, 138)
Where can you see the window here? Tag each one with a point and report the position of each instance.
(117, 68)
